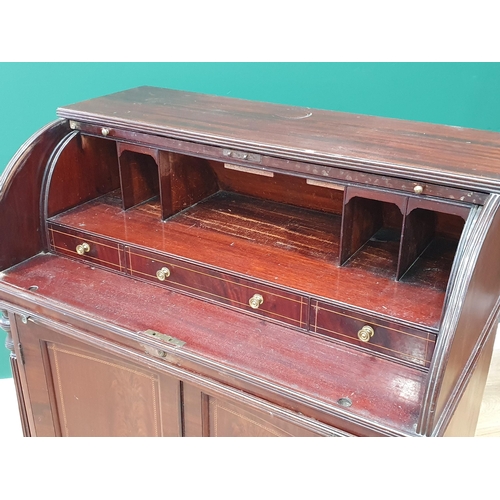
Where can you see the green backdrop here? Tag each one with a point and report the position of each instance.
(462, 94)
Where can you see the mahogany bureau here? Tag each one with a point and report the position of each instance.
(178, 264)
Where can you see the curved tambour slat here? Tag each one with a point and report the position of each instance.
(47, 178)
(20, 188)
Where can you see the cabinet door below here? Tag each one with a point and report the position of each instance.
(76, 389)
(228, 419)
(221, 415)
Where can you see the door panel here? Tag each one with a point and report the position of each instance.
(227, 413)
(98, 396)
(227, 419)
(79, 390)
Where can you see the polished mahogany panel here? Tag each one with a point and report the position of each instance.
(277, 363)
(139, 176)
(303, 192)
(328, 171)
(381, 145)
(226, 419)
(79, 390)
(223, 288)
(282, 245)
(185, 180)
(20, 185)
(100, 251)
(223, 267)
(390, 339)
(101, 403)
(86, 167)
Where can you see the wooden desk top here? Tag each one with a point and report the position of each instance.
(453, 155)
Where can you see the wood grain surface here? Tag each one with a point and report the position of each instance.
(382, 145)
(281, 365)
(227, 267)
(277, 243)
(488, 424)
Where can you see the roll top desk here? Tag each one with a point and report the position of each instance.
(178, 264)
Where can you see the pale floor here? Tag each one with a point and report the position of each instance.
(488, 425)
(489, 417)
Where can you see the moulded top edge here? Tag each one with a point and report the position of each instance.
(451, 152)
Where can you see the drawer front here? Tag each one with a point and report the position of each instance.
(93, 250)
(393, 340)
(223, 288)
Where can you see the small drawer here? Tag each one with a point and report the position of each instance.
(89, 248)
(213, 285)
(391, 339)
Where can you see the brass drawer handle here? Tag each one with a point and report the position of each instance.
(256, 301)
(366, 333)
(163, 273)
(82, 249)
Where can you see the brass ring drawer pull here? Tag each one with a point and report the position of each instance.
(163, 273)
(366, 333)
(256, 301)
(82, 249)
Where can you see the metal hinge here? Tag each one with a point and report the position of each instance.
(25, 318)
(159, 353)
(21, 353)
(241, 155)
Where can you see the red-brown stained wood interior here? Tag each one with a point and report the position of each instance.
(278, 243)
(185, 180)
(21, 183)
(139, 178)
(281, 188)
(436, 251)
(85, 169)
(285, 215)
(372, 231)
